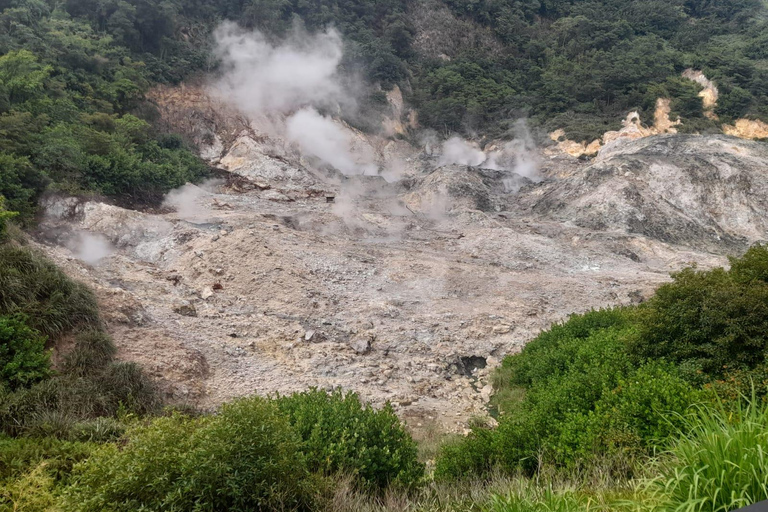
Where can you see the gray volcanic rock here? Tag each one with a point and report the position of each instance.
(704, 192)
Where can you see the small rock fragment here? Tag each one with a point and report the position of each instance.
(185, 310)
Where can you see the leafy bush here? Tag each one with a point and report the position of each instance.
(20, 455)
(340, 434)
(553, 351)
(580, 400)
(33, 491)
(720, 461)
(636, 418)
(473, 455)
(24, 359)
(712, 321)
(246, 457)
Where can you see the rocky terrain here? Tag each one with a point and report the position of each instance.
(409, 286)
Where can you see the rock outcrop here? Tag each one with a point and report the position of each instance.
(702, 192)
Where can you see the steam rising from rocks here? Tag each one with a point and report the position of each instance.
(321, 137)
(91, 248)
(518, 156)
(461, 152)
(294, 78)
(187, 200)
(261, 78)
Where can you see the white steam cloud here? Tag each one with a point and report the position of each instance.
(461, 152)
(294, 78)
(188, 200)
(91, 248)
(263, 78)
(519, 157)
(321, 137)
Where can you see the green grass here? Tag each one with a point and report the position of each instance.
(31, 284)
(720, 462)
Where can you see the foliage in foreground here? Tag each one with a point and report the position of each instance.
(341, 435)
(614, 386)
(246, 457)
(32, 285)
(24, 359)
(81, 401)
(719, 463)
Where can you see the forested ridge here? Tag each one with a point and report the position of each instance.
(73, 73)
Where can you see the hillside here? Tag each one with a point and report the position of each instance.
(383, 255)
(74, 74)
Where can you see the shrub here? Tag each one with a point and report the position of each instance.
(340, 434)
(246, 457)
(92, 352)
(575, 397)
(553, 407)
(714, 321)
(23, 357)
(475, 454)
(33, 285)
(125, 384)
(720, 461)
(634, 419)
(33, 491)
(552, 352)
(20, 455)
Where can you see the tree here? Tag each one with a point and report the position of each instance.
(22, 77)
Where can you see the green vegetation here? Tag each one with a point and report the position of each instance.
(68, 98)
(73, 74)
(583, 65)
(719, 462)
(628, 408)
(341, 435)
(23, 358)
(589, 418)
(32, 285)
(246, 457)
(613, 387)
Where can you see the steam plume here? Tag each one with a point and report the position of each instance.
(187, 200)
(458, 151)
(322, 138)
(264, 78)
(294, 78)
(91, 248)
(518, 157)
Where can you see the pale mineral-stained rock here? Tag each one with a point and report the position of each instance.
(441, 263)
(747, 129)
(709, 94)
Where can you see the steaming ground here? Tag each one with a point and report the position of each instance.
(400, 289)
(328, 257)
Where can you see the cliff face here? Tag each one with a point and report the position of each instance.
(701, 192)
(285, 275)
